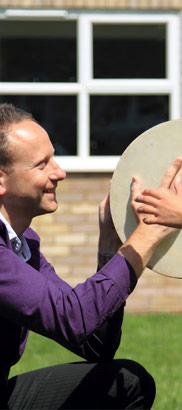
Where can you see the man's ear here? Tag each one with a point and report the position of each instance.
(2, 182)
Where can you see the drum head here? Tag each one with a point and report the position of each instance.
(149, 156)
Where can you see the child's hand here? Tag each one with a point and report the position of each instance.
(164, 204)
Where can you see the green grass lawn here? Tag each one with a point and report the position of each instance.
(153, 340)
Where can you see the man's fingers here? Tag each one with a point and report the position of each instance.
(171, 173)
(178, 183)
(136, 187)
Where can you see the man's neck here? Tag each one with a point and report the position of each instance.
(16, 222)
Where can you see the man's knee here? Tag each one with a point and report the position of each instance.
(137, 386)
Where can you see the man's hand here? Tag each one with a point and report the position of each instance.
(109, 241)
(164, 204)
(136, 188)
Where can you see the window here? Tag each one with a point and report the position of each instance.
(38, 51)
(56, 113)
(95, 81)
(129, 50)
(115, 121)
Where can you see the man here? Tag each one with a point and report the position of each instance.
(87, 319)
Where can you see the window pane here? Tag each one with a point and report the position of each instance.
(38, 51)
(129, 50)
(117, 120)
(57, 114)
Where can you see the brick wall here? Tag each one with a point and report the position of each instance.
(69, 240)
(97, 4)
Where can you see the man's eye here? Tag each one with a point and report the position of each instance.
(42, 164)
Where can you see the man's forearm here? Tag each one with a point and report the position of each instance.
(140, 246)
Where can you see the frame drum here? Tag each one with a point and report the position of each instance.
(149, 156)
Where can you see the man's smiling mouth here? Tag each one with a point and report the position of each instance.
(49, 191)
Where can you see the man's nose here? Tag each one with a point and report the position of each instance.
(57, 173)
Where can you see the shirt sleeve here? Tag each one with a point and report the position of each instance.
(42, 302)
(103, 343)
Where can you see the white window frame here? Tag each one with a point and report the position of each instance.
(86, 85)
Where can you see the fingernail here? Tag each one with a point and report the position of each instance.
(178, 179)
(134, 180)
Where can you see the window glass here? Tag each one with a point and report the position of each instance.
(43, 51)
(115, 121)
(57, 114)
(129, 50)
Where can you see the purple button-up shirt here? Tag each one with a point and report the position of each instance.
(86, 319)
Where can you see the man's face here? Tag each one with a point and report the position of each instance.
(31, 185)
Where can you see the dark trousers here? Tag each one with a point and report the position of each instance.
(119, 384)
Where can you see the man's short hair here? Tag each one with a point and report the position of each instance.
(9, 115)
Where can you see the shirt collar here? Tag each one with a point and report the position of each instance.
(20, 245)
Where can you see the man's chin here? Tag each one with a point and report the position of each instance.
(48, 210)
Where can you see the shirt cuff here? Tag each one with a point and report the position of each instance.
(122, 274)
